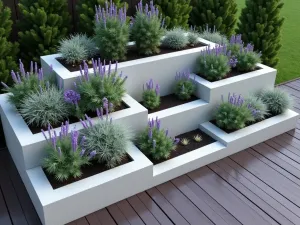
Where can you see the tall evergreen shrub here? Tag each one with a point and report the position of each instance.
(260, 24)
(86, 12)
(175, 12)
(8, 50)
(218, 14)
(42, 25)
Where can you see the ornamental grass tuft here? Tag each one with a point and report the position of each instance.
(151, 97)
(214, 36)
(109, 140)
(155, 142)
(147, 29)
(175, 39)
(184, 87)
(65, 155)
(111, 32)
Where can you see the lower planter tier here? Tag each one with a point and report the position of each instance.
(65, 204)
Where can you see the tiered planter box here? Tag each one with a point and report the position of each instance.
(67, 203)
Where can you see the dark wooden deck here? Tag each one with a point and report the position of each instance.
(260, 185)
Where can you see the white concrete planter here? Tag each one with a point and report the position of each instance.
(65, 204)
(254, 134)
(162, 69)
(27, 149)
(241, 84)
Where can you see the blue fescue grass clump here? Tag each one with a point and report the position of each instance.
(277, 100)
(184, 87)
(151, 96)
(214, 36)
(193, 36)
(155, 142)
(109, 140)
(111, 32)
(234, 114)
(65, 155)
(147, 29)
(44, 107)
(260, 107)
(175, 39)
(26, 83)
(77, 48)
(213, 64)
(90, 89)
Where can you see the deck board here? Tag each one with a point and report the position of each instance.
(260, 185)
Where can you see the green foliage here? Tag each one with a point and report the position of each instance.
(261, 109)
(62, 160)
(260, 24)
(77, 48)
(44, 23)
(94, 88)
(175, 12)
(277, 100)
(150, 99)
(154, 142)
(44, 107)
(247, 60)
(220, 14)
(175, 39)
(213, 36)
(112, 36)
(147, 33)
(8, 50)
(184, 89)
(232, 117)
(193, 38)
(86, 11)
(109, 140)
(213, 66)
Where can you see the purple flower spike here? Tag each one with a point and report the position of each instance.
(176, 141)
(167, 132)
(92, 154)
(150, 133)
(4, 85)
(71, 96)
(82, 152)
(157, 90)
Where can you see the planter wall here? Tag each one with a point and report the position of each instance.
(27, 149)
(162, 69)
(242, 84)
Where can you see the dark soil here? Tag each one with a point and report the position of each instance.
(170, 101)
(132, 54)
(2, 137)
(193, 145)
(234, 72)
(87, 171)
(72, 119)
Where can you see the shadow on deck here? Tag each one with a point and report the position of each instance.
(260, 185)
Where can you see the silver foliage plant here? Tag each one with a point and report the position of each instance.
(214, 36)
(260, 107)
(109, 140)
(175, 39)
(77, 48)
(44, 107)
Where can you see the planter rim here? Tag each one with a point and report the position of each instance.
(26, 137)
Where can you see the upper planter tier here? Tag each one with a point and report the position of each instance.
(160, 68)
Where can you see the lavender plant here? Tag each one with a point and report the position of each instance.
(111, 32)
(247, 59)
(175, 39)
(214, 63)
(77, 48)
(257, 104)
(44, 107)
(109, 140)
(151, 97)
(277, 100)
(92, 88)
(235, 44)
(193, 36)
(65, 155)
(214, 36)
(26, 83)
(185, 87)
(234, 114)
(155, 142)
(72, 98)
(147, 29)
